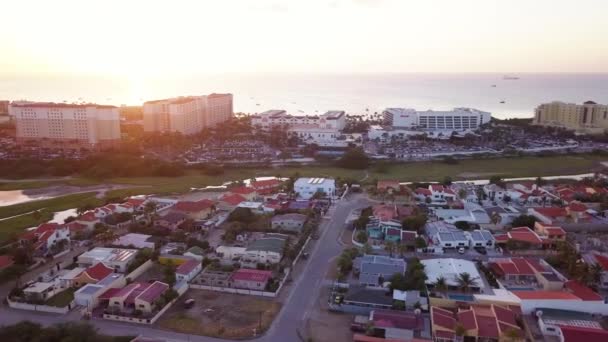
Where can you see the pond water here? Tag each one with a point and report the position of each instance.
(19, 196)
(60, 216)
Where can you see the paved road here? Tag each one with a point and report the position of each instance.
(292, 317)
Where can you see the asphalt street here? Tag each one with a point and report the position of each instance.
(291, 319)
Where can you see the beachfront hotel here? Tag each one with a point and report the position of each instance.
(458, 119)
(60, 125)
(323, 130)
(588, 117)
(187, 115)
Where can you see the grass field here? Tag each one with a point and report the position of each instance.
(46, 208)
(62, 299)
(415, 172)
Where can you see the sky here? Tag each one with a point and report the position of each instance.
(180, 37)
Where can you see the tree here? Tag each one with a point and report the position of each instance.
(595, 274)
(524, 221)
(367, 248)
(414, 223)
(440, 284)
(512, 335)
(447, 181)
(462, 193)
(402, 248)
(428, 200)
(420, 242)
(466, 281)
(389, 246)
(354, 158)
(361, 236)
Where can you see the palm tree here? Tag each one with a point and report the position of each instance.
(466, 281)
(402, 248)
(595, 273)
(440, 284)
(389, 246)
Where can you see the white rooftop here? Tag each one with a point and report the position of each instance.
(134, 239)
(315, 181)
(450, 268)
(38, 287)
(109, 255)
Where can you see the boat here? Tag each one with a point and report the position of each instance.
(493, 85)
(510, 78)
(503, 101)
(257, 104)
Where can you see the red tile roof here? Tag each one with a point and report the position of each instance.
(265, 184)
(88, 217)
(395, 319)
(6, 261)
(513, 266)
(233, 199)
(443, 318)
(577, 334)
(187, 267)
(136, 201)
(388, 183)
(110, 293)
(436, 187)
(582, 291)
(467, 319)
(488, 327)
(524, 234)
(423, 191)
(242, 190)
(552, 212)
(245, 274)
(545, 295)
(192, 207)
(577, 207)
(99, 271)
(153, 292)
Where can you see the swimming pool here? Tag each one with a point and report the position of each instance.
(461, 297)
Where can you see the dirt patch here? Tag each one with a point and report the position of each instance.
(221, 315)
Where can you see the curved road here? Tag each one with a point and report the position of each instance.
(295, 309)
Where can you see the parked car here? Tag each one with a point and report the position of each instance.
(461, 250)
(481, 250)
(189, 303)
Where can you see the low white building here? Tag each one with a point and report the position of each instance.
(450, 269)
(230, 253)
(266, 250)
(307, 187)
(134, 240)
(117, 258)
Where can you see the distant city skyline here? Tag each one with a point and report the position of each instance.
(136, 39)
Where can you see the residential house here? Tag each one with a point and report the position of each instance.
(230, 253)
(290, 222)
(450, 269)
(421, 194)
(230, 201)
(379, 232)
(93, 274)
(266, 250)
(495, 192)
(195, 252)
(388, 212)
(255, 207)
(249, 193)
(440, 192)
(526, 274)
(172, 220)
(117, 258)
(481, 238)
(480, 323)
(195, 210)
(146, 300)
(552, 235)
(399, 325)
(88, 219)
(521, 236)
(45, 237)
(375, 270)
(135, 240)
(306, 188)
(250, 279)
(266, 187)
(472, 213)
(188, 270)
(575, 212)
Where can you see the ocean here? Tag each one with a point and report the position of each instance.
(311, 93)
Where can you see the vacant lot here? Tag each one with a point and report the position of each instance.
(220, 314)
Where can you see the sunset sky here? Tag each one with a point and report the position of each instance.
(132, 38)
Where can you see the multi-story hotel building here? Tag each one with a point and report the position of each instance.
(323, 130)
(59, 125)
(458, 119)
(589, 117)
(187, 115)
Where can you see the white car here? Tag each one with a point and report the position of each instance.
(461, 250)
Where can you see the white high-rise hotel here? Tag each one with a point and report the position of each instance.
(187, 115)
(458, 119)
(59, 125)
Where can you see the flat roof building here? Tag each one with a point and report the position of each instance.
(457, 119)
(61, 125)
(307, 187)
(588, 117)
(187, 115)
(117, 258)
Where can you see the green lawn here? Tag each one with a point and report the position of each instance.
(46, 208)
(62, 299)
